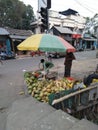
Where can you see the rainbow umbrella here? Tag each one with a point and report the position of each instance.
(46, 43)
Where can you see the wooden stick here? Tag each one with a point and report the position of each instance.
(72, 94)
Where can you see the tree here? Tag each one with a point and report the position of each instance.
(15, 14)
(87, 19)
(28, 17)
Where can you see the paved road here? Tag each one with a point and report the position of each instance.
(12, 81)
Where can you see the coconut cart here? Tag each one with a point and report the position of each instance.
(68, 94)
(80, 101)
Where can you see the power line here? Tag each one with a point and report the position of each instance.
(84, 6)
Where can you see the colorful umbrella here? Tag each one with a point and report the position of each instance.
(46, 42)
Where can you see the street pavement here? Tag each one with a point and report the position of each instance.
(12, 80)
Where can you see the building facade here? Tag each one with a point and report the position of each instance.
(55, 19)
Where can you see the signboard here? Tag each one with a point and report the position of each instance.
(76, 35)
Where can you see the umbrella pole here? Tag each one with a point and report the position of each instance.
(44, 71)
(58, 73)
(46, 56)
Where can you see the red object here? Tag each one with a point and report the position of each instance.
(36, 53)
(70, 78)
(76, 35)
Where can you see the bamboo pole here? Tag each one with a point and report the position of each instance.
(13, 46)
(73, 94)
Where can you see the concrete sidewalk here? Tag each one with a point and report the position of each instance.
(29, 114)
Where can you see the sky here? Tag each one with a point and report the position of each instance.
(86, 8)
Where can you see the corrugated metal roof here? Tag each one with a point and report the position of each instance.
(18, 37)
(16, 33)
(3, 31)
(19, 32)
(63, 30)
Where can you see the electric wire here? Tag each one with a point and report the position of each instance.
(85, 6)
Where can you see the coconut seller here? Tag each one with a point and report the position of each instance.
(45, 66)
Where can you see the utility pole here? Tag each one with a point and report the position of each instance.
(44, 12)
(44, 18)
(97, 43)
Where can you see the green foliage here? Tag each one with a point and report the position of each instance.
(87, 19)
(15, 14)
